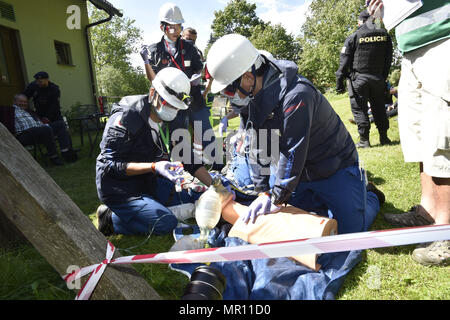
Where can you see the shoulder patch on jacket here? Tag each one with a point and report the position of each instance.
(118, 122)
(295, 107)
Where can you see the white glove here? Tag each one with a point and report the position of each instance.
(169, 170)
(223, 125)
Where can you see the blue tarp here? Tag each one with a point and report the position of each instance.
(276, 279)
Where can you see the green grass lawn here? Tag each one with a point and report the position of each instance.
(387, 273)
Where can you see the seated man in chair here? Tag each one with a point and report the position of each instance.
(30, 130)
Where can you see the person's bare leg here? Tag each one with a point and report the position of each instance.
(441, 193)
(427, 202)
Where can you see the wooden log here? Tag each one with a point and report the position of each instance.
(55, 225)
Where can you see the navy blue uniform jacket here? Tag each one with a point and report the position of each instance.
(128, 138)
(314, 143)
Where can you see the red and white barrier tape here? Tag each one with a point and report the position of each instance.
(337, 243)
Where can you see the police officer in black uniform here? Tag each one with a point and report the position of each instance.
(365, 60)
(173, 51)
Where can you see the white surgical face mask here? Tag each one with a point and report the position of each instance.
(166, 114)
(238, 101)
(168, 40)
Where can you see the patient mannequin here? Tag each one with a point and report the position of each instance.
(289, 223)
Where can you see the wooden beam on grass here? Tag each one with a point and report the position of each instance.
(53, 223)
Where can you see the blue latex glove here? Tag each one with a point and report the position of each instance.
(169, 170)
(144, 54)
(261, 205)
(223, 125)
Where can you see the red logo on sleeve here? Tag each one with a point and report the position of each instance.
(295, 107)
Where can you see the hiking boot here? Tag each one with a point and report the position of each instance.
(413, 218)
(104, 220)
(363, 144)
(435, 254)
(380, 195)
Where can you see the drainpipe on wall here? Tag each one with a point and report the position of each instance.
(91, 67)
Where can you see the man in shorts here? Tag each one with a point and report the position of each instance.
(424, 119)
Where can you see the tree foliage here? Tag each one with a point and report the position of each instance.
(327, 25)
(240, 17)
(112, 44)
(276, 40)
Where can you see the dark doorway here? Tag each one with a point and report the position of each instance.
(11, 73)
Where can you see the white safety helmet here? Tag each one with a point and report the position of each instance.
(173, 86)
(267, 54)
(171, 14)
(229, 58)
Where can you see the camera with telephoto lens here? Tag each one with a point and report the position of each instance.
(207, 283)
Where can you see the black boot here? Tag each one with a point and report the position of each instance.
(56, 160)
(384, 140)
(363, 143)
(69, 155)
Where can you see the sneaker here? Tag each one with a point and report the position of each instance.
(363, 144)
(435, 254)
(380, 195)
(412, 218)
(104, 220)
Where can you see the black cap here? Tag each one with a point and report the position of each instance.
(41, 75)
(364, 15)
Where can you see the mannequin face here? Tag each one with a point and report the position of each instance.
(172, 31)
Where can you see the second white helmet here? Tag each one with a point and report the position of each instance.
(229, 58)
(173, 86)
(171, 14)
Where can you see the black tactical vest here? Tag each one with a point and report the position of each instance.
(371, 52)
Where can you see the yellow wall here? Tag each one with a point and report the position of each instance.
(40, 23)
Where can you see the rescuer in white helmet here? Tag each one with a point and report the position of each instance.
(316, 165)
(136, 169)
(173, 51)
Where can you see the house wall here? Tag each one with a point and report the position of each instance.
(39, 24)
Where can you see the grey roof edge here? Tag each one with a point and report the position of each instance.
(106, 6)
